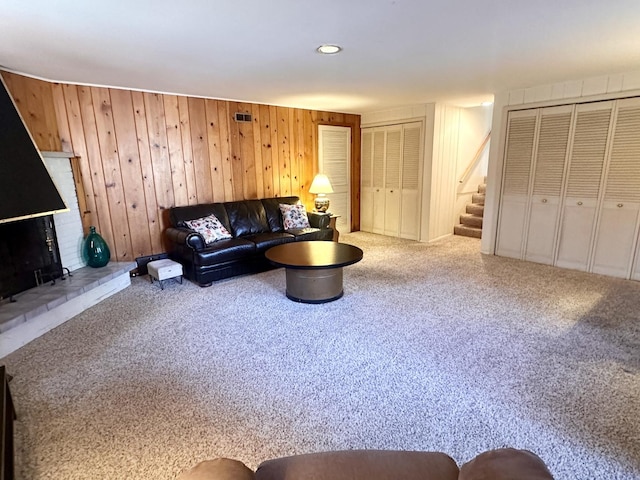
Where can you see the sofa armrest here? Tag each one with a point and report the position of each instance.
(184, 236)
(218, 469)
(319, 220)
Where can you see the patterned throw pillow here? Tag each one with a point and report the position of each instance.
(209, 227)
(294, 216)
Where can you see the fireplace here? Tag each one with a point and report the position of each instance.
(29, 255)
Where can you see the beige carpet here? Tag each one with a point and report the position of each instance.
(432, 347)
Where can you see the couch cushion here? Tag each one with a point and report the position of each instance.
(209, 227)
(264, 241)
(272, 209)
(294, 216)
(224, 251)
(247, 217)
(505, 464)
(360, 465)
(218, 469)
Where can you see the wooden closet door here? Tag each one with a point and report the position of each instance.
(549, 169)
(410, 188)
(378, 180)
(393, 159)
(521, 134)
(586, 162)
(617, 230)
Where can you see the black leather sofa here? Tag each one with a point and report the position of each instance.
(256, 226)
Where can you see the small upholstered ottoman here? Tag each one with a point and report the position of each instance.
(164, 270)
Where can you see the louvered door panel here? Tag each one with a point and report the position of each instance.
(377, 193)
(366, 193)
(583, 184)
(618, 224)
(550, 160)
(519, 150)
(410, 201)
(393, 156)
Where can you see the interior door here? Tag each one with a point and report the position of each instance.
(549, 170)
(617, 230)
(392, 196)
(521, 134)
(334, 158)
(584, 176)
(410, 202)
(378, 181)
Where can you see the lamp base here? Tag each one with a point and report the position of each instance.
(322, 204)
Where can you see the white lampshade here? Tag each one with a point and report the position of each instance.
(320, 184)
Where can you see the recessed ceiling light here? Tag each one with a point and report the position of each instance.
(329, 49)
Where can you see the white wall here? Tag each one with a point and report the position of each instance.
(588, 89)
(68, 224)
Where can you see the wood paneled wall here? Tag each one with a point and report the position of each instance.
(138, 154)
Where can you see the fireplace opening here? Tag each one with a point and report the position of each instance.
(29, 255)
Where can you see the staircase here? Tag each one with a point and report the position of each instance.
(471, 222)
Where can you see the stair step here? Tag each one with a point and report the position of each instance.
(471, 220)
(475, 209)
(467, 231)
(478, 198)
(482, 188)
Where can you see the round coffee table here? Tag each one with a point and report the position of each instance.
(314, 269)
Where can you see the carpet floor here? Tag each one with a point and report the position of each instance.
(432, 347)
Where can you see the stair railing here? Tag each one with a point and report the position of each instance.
(472, 165)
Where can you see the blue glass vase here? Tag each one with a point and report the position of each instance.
(96, 250)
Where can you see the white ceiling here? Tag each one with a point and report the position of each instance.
(396, 52)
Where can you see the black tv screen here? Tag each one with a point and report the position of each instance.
(26, 189)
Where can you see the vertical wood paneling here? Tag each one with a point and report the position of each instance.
(225, 150)
(247, 153)
(215, 153)
(187, 152)
(121, 249)
(275, 151)
(266, 149)
(138, 153)
(144, 149)
(174, 144)
(257, 150)
(284, 152)
(157, 129)
(94, 158)
(131, 171)
(200, 149)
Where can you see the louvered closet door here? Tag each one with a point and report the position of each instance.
(618, 222)
(549, 166)
(366, 187)
(378, 180)
(521, 130)
(410, 182)
(583, 184)
(392, 195)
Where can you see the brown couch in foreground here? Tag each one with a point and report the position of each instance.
(501, 464)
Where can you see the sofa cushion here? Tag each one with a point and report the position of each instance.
(272, 209)
(265, 241)
(209, 227)
(247, 217)
(218, 469)
(294, 216)
(224, 251)
(505, 464)
(360, 465)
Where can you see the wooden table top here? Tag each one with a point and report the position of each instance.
(314, 254)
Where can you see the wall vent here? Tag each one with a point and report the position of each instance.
(242, 117)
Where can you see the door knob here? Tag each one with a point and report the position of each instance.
(544, 200)
(620, 205)
(579, 203)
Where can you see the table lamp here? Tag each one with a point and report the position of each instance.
(320, 187)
